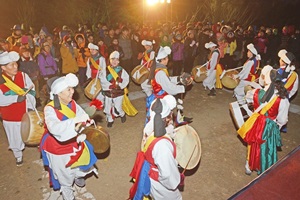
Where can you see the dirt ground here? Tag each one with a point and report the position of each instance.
(219, 174)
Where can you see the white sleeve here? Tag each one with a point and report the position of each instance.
(213, 61)
(246, 70)
(61, 130)
(283, 110)
(30, 99)
(125, 78)
(162, 154)
(88, 69)
(7, 100)
(102, 63)
(167, 85)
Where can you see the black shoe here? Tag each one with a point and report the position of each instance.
(109, 124)
(123, 119)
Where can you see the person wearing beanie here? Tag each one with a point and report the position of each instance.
(62, 146)
(30, 67)
(177, 54)
(47, 64)
(248, 73)
(15, 39)
(114, 79)
(14, 102)
(69, 53)
(83, 56)
(262, 130)
(287, 72)
(160, 152)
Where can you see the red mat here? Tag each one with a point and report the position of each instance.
(279, 182)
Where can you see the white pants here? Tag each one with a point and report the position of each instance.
(13, 133)
(210, 80)
(159, 192)
(239, 91)
(111, 103)
(65, 175)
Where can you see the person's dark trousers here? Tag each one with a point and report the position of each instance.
(127, 65)
(82, 75)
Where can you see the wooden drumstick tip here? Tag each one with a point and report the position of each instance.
(30, 88)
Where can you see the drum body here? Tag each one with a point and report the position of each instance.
(139, 74)
(228, 81)
(239, 113)
(199, 73)
(188, 147)
(32, 129)
(98, 137)
(92, 90)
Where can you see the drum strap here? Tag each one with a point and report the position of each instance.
(95, 64)
(146, 56)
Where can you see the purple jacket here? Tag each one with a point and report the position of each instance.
(46, 64)
(177, 51)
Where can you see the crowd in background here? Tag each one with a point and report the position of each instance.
(64, 50)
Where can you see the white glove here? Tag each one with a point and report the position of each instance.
(81, 118)
(80, 138)
(235, 76)
(193, 42)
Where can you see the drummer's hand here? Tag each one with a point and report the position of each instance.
(21, 98)
(235, 76)
(81, 118)
(182, 176)
(80, 138)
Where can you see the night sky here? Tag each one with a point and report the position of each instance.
(57, 13)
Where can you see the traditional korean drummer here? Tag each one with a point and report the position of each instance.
(14, 102)
(61, 146)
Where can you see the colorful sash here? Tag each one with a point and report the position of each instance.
(65, 110)
(128, 108)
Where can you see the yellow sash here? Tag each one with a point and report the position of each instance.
(65, 110)
(146, 56)
(243, 130)
(219, 71)
(94, 63)
(291, 80)
(14, 87)
(128, 108)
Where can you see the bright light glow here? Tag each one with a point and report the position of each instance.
(151, 2)
(168, 1)
(162, 1)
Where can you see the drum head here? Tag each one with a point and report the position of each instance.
(31, 128)
(202, 76)
(92, 90)
(188, 147)
(98, 137)
(227, 80)
(139, 74)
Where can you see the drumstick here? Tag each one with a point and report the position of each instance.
(189, 159)
(224, 72)
(30, 88)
